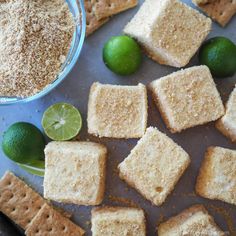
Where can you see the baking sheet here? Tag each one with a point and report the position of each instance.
(75, 90)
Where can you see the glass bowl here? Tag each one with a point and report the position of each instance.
(78, 11)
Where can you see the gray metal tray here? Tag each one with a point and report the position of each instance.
(75, 90)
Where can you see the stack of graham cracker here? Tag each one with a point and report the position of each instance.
(99, 11)
(32, 212)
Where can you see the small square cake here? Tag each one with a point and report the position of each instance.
(154, 166)
(217, 177)
(116, 111)
(227, 124)
(187, 98)
(170, 31)
(192, 221)
(117, 221)
(75, 172)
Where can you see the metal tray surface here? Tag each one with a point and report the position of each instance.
(75, 89)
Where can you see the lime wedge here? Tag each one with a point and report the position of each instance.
(35, 168)
(61, 122)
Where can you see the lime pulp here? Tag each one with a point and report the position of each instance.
(61, 122)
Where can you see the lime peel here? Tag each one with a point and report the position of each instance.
(35, 168)
(122, 55)
(219, 54)
(23, 143)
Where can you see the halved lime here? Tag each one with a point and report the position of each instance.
(61, 122)
(35, 168)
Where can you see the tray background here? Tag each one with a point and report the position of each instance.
(75, 89)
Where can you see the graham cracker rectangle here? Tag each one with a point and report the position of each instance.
(219, 10)
(50, 222)
(106, 8)
(92, 23)
(18, 201)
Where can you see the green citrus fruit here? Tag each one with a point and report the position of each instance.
(35, 168)
(23, 143)
(122, 55)
(219, 54)
(61, 121)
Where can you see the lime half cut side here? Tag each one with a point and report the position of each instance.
(61, 122)
(35, 168)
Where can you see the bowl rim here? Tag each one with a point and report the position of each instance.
(5, 101)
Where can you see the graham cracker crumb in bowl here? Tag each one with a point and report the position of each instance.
(35, 38)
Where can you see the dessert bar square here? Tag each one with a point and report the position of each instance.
(116, 111)
(170, 31)
(192, 221)
(227, 123)
(75, 172)
(217, 177)
(154, 166)
(116, 221)
(187, 98)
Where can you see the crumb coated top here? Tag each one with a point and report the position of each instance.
(193, 221)
(183, 32)
(169, 29)
(217, 178)
(188, 98)
(75, 172)
(154, 165)
(118, 221)
(117, 111)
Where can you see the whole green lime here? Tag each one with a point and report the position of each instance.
(122, 55)
(219, 54)
(23, 143)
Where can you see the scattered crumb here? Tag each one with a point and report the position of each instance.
(161, 219)
(123, 200)
(227, 216)
(63, 212)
